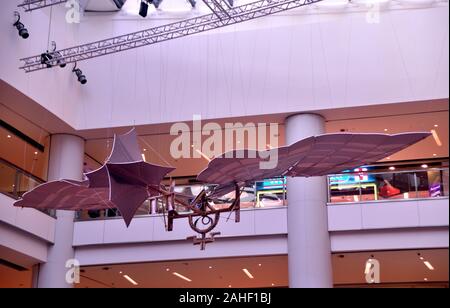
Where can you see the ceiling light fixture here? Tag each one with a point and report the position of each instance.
(392, 168)
(130, 280)
(249, 275)
(428, 264)
(182, 277)
(23, 32)
(435, 125)
(436, 137)
(79, 73)
(9, 136)
(424, 166)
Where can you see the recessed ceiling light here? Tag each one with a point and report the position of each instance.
(210, 267)
(435, 125)
(273, 284)
(425, 279)
(145, 150)
(229, 285)
(424, 166)
(259, 264)
(35, 153)
(386, 129)
(392, 168)
(120, 272)
(434, 154)
(249, 275)
(428, 264)
(436, 137)
(130, 280)
(167, 269)
(182, 277)
(388, 158)
(9, 136)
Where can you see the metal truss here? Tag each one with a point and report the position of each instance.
(162, 33)
(31, 5)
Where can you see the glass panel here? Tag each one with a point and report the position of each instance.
(431, 183)
(26, 183)
(270, 193)
(396, 185)
(7, 179)
(445, 182)
(346, 188)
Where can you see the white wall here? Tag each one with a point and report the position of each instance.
(261, 232)
(270, 221)
(25, 234)
(300, 62)
(28, 220)
(385, 215)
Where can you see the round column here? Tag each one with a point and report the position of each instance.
(309, 248)
(66, 162)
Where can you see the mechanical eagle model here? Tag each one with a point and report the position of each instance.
(125, 181)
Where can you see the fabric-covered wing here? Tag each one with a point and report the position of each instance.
(139, 173)
(127, 197)
(334, 153)
(66, 195)
(313, 156)
(125, 148)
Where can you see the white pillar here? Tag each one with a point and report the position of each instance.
(66, 162)
(309, 248)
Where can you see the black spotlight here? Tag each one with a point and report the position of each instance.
(143, 10)
(81, 78)
(23, 32)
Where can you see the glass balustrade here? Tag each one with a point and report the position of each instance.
(401, 185)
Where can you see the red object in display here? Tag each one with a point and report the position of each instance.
(388, 191)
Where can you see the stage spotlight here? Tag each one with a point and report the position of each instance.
(46, 59)
(143, 10)
(23, 32)
(193, 3)
(81, 78)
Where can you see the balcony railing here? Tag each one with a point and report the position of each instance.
(14, 182)
(262, 194)
(393, 185)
